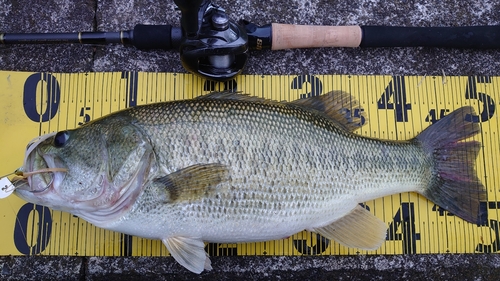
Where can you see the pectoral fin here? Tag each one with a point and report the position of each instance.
(193, 182)
(358, 229)
(189, 252)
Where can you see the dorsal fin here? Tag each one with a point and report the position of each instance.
(226, 95)
(339, 106)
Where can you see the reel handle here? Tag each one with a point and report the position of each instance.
(191, 15)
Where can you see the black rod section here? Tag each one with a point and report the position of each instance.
(259, 37)
(142, 37)
(469, 37)
(122, 37)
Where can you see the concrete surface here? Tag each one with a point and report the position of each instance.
(400, 267)
(94, 15)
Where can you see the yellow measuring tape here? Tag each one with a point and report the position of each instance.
(397, 107)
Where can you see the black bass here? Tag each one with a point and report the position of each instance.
(231, 168)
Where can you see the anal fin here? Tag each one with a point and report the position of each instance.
(358, 229)
(188, 252)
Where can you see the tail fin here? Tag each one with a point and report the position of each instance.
(455, 186)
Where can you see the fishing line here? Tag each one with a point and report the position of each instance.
(8, 189)
(4, 176)
(21, 176)
(7, 184)
(18, 221)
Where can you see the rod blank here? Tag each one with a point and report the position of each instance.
(143, 37)
(121, 37)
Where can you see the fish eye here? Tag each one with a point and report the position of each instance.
(61, 138)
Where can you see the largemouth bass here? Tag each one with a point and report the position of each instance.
(231, 168)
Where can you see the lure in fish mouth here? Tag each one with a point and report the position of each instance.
(229, 168)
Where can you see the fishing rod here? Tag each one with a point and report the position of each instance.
(216, 47)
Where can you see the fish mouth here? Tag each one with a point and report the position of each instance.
(40, 171)
(40, 178)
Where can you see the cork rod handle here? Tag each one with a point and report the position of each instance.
(288, 36)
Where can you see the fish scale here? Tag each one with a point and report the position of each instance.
(233, 168)
(310, 153)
